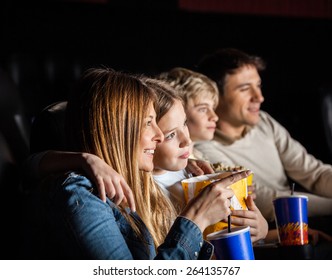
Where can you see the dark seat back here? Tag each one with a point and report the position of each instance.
(47, 133)
(13, 120)
(14, 149)
(326, 107)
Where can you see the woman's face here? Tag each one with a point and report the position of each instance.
(172, 154)
(150, 137)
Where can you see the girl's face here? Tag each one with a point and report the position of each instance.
(150, 137)
(201, 119)
(172, 154)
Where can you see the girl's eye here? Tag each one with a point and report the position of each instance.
(170, 136)
(185, 123)
(149, 123)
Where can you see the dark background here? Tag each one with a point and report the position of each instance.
(46, 45)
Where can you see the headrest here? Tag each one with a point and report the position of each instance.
(48, 129)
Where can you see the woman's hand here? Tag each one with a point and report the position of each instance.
(253, 218)
(108, 181)
(199, 167)
(212, 204)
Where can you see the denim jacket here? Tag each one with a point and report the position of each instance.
(81, 226)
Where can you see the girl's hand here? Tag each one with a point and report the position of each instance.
(199, 167)
(107, 180)
(212, 204)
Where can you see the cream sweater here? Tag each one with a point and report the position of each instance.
(273, 156)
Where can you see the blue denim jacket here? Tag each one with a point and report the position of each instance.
(81, 226)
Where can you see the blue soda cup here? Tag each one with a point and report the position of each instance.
(291, 215)
(234, 245)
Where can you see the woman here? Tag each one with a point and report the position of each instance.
(105, 118)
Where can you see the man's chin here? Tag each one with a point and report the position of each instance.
(254, 120)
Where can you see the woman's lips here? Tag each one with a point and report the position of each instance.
(149, 152)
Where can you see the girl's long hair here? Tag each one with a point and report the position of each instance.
(166, 97)
(105, 117)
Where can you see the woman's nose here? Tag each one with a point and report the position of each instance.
(159, 136)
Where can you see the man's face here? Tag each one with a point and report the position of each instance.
(240, 103)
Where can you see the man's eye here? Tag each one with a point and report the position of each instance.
(244, 89)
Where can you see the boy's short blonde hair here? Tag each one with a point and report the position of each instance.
(191, 85)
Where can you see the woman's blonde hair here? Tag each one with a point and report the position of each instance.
(105, 117)
(191, 85)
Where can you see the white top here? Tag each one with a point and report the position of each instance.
(170, 183)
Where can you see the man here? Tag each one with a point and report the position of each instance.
(249, 137)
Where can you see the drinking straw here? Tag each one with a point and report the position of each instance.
(229, 223)
(292, 190)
